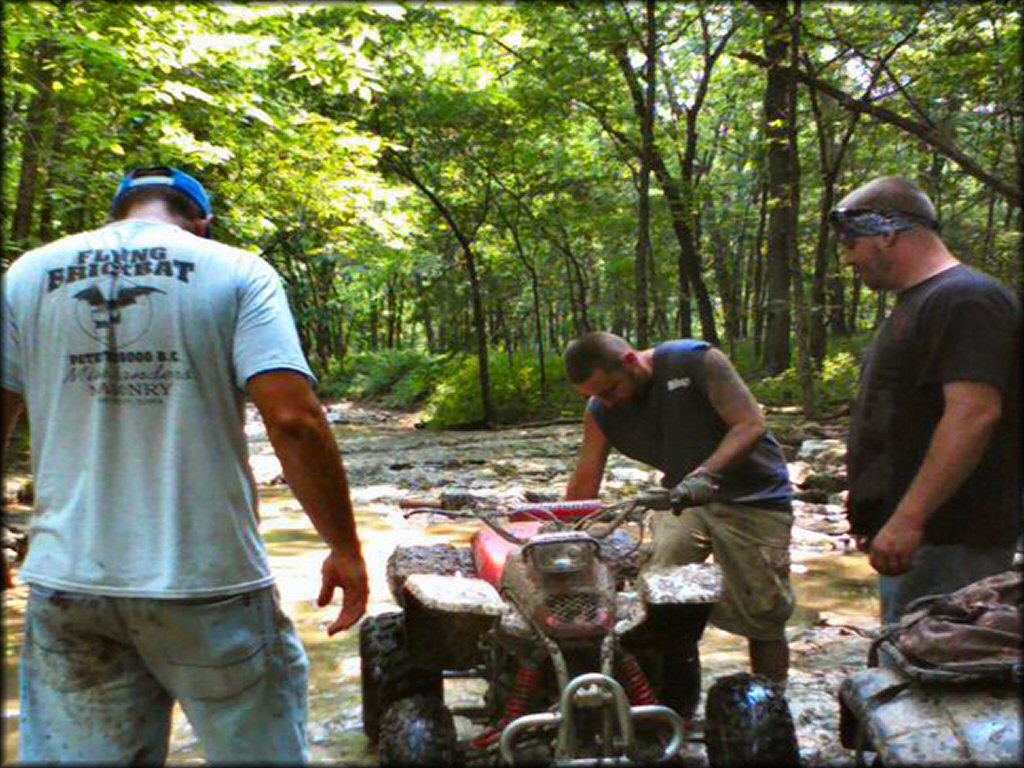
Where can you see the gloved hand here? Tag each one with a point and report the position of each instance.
(697, 488)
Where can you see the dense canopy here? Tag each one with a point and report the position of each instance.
(484, 182)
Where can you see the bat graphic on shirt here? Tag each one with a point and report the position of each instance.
(111, 308)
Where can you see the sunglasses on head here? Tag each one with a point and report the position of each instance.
(852, 223)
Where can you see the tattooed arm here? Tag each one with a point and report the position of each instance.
(736, 407)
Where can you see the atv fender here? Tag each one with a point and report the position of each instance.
(446, 615)
(881, 710)
(674, 585)
(677, 601)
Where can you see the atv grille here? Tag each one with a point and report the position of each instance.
(573, 609)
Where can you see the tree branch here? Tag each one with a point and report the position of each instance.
(925, 133)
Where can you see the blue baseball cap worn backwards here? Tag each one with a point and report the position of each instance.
(168, 177)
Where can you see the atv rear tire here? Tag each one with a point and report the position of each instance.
(747, 722)
(389, 670)
(417, 731)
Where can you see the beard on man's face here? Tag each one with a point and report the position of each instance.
(641, 385)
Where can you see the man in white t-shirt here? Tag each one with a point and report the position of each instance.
(133, 347)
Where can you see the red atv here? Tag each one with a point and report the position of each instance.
(587, 661)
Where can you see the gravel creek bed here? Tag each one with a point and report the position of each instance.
(387, 458)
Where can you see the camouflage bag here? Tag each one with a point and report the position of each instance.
(967, 636)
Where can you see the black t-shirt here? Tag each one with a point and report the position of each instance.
(674, 427)
(959, 325)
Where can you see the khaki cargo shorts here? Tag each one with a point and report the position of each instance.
(751, 544)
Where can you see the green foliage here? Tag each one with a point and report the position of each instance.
(515, 388)
(397, 378)
(836, 385)
(308, 122)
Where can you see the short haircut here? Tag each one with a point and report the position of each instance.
(892, 193)
(592, 351)
(178, 203)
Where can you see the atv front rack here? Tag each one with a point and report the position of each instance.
(595, 690)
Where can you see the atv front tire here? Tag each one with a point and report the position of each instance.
(679, 682)
(389, 669)
(417, 731)
(747, 722)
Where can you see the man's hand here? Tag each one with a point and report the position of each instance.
(347, 572)
(892, 549)
(697, 488)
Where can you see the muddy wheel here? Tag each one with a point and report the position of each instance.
(747, 722)
(674, 675)
(679, 686)
(417, 731)
(388, 669)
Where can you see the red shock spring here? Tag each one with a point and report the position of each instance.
(636, 683)
(527, 678)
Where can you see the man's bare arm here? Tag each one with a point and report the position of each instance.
(736, 407)
(970, 415)
(585, 482)
(312, 465)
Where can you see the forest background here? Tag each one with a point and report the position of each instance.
(453, 191)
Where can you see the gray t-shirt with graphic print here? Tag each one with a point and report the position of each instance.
(131, 345)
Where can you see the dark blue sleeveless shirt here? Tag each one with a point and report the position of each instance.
(674, 427)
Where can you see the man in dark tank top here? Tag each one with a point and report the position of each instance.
(681, 408)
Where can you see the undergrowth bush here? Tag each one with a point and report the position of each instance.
(396, 378)
(448, 386)
(515, 392)
(836, 385)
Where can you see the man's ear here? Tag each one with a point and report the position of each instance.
(203, 227)
(630, 358)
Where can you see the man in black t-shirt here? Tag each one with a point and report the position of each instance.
(934, 454)
(682, 408)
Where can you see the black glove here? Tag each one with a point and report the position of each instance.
(697, 488)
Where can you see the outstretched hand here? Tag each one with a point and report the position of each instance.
(345, 571)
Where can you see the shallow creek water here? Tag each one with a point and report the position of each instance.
(387, 460)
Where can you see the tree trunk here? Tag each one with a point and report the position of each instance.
(37, 117)
(804, 364)
(643, 240)
(855, 304)
(531, 270)
(759, 249)
(464, 239)
(929, 134)
(880, 307)
(779, 121)
(678, 195)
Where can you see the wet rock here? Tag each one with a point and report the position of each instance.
(799, 471)
(350, 413)
(266, 469)
(827, 481)
(822, 451)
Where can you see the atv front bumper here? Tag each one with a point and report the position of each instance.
(619, 744)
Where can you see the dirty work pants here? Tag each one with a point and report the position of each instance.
(99, 677)
(939, 570)
(751, 544)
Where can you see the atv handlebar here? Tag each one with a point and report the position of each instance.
(591, 515)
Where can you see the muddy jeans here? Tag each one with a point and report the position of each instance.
(100, 675)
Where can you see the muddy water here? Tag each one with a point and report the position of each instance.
(388, 460)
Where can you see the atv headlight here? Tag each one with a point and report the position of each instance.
(562, 556)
